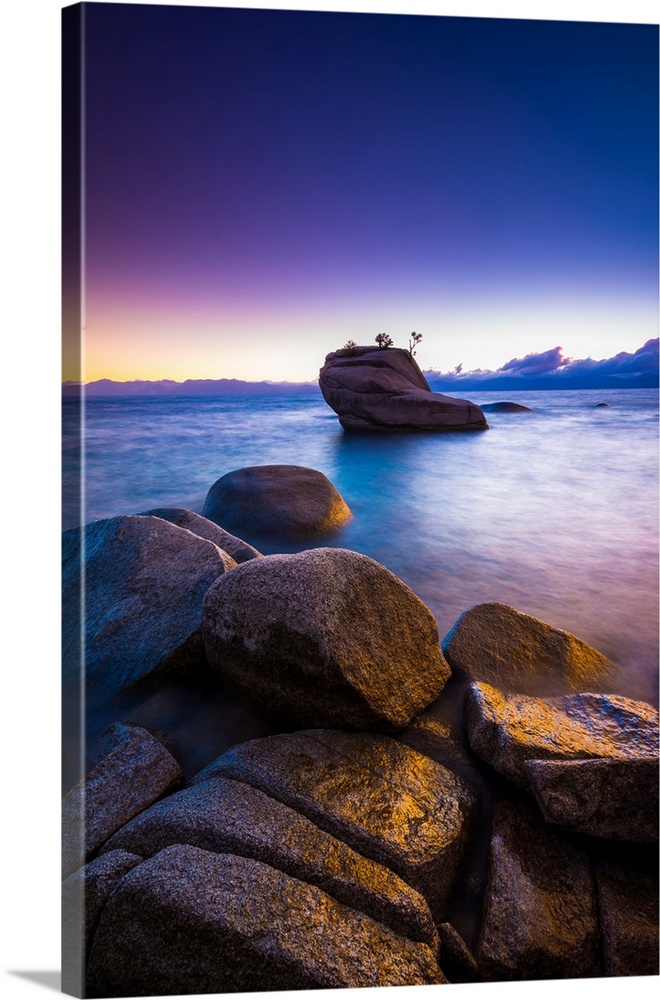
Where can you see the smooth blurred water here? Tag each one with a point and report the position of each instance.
(554, 512)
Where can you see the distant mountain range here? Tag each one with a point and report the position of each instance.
(546, 370)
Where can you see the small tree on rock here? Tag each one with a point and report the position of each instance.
(384, 340)
(350, 345)
(413, 341)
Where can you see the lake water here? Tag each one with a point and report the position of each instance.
(554, 512)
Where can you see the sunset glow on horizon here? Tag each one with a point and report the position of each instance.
(262, 186)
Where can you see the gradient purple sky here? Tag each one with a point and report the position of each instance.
(263, 185)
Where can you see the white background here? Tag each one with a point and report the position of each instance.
(30, 63)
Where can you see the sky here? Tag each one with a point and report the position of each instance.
(263, 185)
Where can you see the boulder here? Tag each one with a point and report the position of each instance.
(628, 911)
(235, 547)
(441, 743)
(384, 389)
(516, 652)
(144, 584)
(539, 917)
(458, 962)
(137, 772)
(386, 801)
(83, 895)
(507, 731)
(284, 501)
(189, 921)
(613, 798)
(327, 636)
(505, 406)
(230, 817)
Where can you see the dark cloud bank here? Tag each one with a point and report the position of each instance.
(548, 370)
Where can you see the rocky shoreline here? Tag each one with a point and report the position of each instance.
(372, 840)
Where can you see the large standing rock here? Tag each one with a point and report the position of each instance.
(235, 547)
(287, 501)
(388, 802)
(190, 921)
(328, 637)
(540, 909)
(230, 817)
(507, 731)
(516, 652)
(379, 389)
(134, 774)
(612, 797)
(144, 584)
(628, 910)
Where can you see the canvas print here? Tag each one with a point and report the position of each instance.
(360, 509)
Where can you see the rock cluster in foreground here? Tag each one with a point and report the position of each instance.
(372, 844)
(380, 389)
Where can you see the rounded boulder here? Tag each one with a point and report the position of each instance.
(327, 637)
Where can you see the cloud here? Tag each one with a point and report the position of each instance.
(551, 370)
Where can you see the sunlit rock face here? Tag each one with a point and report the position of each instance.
(192, 921)
(144, 583)
(281, 501)
(540, 916)
(228, 816)
(494, 643)
(388, 802)
(327, 637)
(380, 389)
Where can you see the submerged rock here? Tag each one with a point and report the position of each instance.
(540, 910)
(239, 550)
(230, 817)
(508, 731)
(129, 778)
(516, 652)
(505, 407)
(287, 501)
(327, 637)
(628, 911)
(145, 580)
(380, 389)
(388, 802)
(190, 921)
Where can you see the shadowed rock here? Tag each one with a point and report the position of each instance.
(613, 798)
(190, 921)
(628, 912)
(145, 580)
(239, 550)
(388, 802)
(509, 730)
(134, 774)
(286, 501)
(516, 652)
(227, 816)
(540, 910)
(458, 962)
(83, 896)
(505, 407)
(327, 637)
(374, 389)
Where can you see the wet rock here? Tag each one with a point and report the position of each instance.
(540, 910)
(137, 772)
(388, 802)
(144, 584)
(374, 389)
(230, 817)
(83, 895)
(239, 550)
(598, 405)
(612, 798)
(509, 730)
(287, 501)
(628, 911)
(191, 921)
(505, 406)
(327, 637)
(516, 652)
